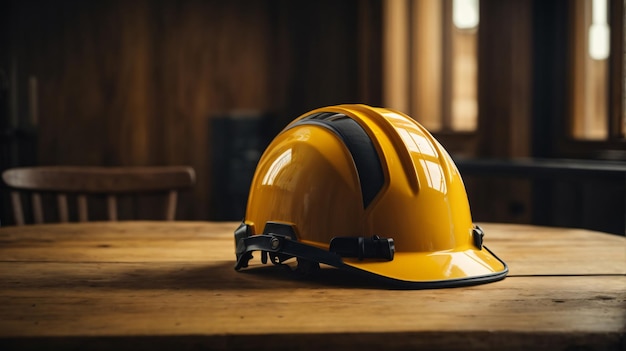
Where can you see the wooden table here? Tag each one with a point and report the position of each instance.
(171, 285)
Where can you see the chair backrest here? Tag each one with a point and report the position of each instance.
(83, 182)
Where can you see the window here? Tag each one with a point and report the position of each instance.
(590, 65)
(431, 62)
(594, 119)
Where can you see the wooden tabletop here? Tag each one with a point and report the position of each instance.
(171, 285)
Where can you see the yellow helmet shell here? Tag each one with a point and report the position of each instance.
(359, 171)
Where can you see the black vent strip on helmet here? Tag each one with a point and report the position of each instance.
(361, 147)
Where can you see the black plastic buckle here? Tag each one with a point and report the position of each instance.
(362, 247)
(243, 256)
(270, 242)
(477, 235)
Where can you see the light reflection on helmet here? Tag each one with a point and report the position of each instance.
(366, 189)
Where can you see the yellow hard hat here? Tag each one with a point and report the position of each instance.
(366, 189)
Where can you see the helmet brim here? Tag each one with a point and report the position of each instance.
(437, 269)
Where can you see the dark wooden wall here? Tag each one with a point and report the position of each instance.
(150, 82)
(138, 82)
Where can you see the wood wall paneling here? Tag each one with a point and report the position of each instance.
(137, 82)
(505, 108)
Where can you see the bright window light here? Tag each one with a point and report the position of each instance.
(598, 11)
(599, 32)
(465, 14)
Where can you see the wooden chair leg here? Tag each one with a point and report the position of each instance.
(170, 212)
(112, 207)
(82, 208)
(37, 208)
(63, 210)
(18, 212)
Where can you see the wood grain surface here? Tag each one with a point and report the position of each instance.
(164, 285)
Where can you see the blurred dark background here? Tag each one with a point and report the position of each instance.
(209, 83)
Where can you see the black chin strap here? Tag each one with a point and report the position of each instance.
(279, 240)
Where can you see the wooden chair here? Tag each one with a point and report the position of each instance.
(108, 183)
